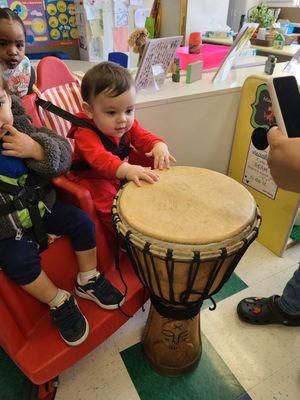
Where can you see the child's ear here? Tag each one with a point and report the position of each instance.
(87, 109)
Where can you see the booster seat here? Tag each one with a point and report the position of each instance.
(27, 335)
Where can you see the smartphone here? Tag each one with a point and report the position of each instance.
(285, 98)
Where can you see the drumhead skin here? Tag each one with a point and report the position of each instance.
(188, 205)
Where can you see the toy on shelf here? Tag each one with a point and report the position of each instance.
(212, 56)
(195, 43)
(270, 64)
(137, 40)
(175, 68)
(279, 41)
(194, 72)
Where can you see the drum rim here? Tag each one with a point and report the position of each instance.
(187, 253)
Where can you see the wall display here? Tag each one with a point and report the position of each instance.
(32, 14)
(46, 21)
(60, 16)
(248, 165)
(157, 52)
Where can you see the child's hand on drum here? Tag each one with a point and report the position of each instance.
(162, 156)
(135, 173)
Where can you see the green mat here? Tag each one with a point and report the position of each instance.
(14, 385)
(295, 234)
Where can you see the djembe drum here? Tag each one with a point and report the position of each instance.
(185, 235)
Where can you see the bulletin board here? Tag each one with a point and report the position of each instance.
(248, 166)
(46, 21)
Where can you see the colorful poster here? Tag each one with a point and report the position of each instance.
(46, 21)
(32, 14)
(60, 17)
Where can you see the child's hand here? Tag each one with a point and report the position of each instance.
(161, 155)
(18, 144)
(135, 173)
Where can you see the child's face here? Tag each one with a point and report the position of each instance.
(12, 43)
(6, 116)
(113, 116)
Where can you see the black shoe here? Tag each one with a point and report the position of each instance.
(264, 311)
(102, 292)
(71, 323)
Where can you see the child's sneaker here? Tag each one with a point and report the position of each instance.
(101, 291)
(71, 323)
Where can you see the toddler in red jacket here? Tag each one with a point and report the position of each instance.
(102, 149)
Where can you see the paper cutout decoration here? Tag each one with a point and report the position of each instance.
(120, 37)
(120, 13)
(140, 16)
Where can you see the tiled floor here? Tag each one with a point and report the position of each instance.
(239, 361)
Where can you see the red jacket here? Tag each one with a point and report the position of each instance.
(88, 147)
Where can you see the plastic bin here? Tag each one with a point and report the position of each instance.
(212, 56)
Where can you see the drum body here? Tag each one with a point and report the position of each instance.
(184, 236)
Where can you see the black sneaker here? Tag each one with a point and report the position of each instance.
(71, 323)
(102, 292)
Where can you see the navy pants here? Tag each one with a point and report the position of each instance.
(290, 299)
(20, 259)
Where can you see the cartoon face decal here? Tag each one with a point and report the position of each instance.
(55, 34)
(51, 9)
(71, 9)
(61, 6)
(74, 33)
(63, 19)
(72, 21)
(53, 22)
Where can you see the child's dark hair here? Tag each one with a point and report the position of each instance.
(106, 76)
(7, 13)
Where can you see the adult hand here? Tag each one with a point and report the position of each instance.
(284, 160)
(18, 144)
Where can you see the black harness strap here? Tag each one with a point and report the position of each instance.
(122, 151)
(27, 196)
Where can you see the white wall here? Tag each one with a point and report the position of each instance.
(206, 15)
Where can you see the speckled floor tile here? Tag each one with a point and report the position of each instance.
(253, 353)
(282, 385)
(99, 376)
(259, 263)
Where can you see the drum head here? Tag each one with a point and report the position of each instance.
(189, 206)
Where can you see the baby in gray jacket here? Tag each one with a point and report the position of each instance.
(29, 159)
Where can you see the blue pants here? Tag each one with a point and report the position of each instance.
(20, 259)
(290, 299)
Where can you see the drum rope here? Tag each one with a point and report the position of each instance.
(118, 268)
(170, 271)
(194, 269)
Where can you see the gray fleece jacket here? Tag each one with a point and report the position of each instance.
(57, 161)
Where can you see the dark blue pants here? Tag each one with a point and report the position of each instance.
(20, 259)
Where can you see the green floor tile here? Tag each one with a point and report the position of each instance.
(12, 380)
(295, 234)
(232, 286)
(211, 380)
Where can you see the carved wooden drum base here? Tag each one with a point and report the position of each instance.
(173, 347)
